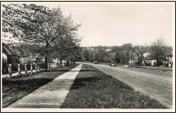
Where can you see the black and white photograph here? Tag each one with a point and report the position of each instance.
(87, 56)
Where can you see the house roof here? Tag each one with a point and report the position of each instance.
(146, 54)
(17, 52)
(7, 50)
(108, 50)
(23, 53)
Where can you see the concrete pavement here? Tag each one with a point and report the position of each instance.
(51, 95)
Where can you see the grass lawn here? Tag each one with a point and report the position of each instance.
(153, 70)
(94, 89)
(18, 87)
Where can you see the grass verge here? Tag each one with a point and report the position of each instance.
(94, 89)
(18, 87)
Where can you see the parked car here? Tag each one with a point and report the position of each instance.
(95, 62)
(113, 64)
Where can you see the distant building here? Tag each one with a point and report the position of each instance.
(148, 60)
(108, 50)
(90, 49)
(169, 57)
(56, 62)
(146, 54)
(165, 59)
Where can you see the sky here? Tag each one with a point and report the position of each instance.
(117, 23)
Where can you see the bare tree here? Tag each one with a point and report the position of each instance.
(157, 49)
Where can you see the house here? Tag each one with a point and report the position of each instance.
(169, 57)
(4, 62)
(168, 60)
(18, 53)
(165, 59)
(24, 57)
(8, 57)
(145, 55)
(4, 58)
(11, 56)
(90, 49)
(108, 50)
(56, 62)
(148, 60)
(52, 64)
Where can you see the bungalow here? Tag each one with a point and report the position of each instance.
(12, 57)
(169, 57)
(148, 60)
(56, 62)
(168, 60)
(4, 58)
(8, 57)
(4, 62)
(108, 50)
(165, 60)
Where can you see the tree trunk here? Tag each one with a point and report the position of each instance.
(46, 63)
(60, 63)
(157, 60)
(67, 62)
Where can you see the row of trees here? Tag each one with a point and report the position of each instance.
(48, 31)
(122, 54)
(118, 54)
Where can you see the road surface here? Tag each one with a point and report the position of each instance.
(158, 86)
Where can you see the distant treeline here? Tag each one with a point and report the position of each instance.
(122, 54)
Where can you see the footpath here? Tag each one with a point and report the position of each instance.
(51, 95)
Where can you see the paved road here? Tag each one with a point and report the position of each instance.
(155, 85)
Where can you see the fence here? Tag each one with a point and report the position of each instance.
(28, 69)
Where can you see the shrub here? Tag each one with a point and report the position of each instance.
(147, 64)
(160, 62)
(15, 67)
